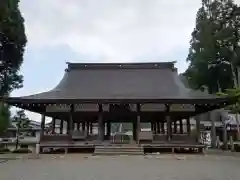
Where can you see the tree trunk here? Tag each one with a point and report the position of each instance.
(213, 129)
(238, 85)
(223, 118)
(17, 139)
(235, 78)
(238, 127)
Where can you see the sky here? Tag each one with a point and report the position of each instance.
(60, 31)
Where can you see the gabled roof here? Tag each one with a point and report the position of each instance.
(148, 82)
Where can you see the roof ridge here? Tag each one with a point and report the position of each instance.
(140, 65)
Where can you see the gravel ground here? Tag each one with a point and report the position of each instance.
(79, 167)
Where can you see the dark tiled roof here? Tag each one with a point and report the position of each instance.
(120, 81)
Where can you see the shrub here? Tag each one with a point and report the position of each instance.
(4, 150)
(237, 147)
(24, 146)
(22, 150)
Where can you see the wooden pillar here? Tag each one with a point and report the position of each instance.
(83, 126)
(175, 126)
(61, 126)
(154, 127)
(162, 128)
(53, 125)
(158, 127)
(181, 126)
(43, 118)
(198, 119)
(134, 131)
(108, 130)
(91, 127)
(78, 126)
(67, 125)
(100, 123)
(70, 121)
(169, 123)
(169, 127)
(188, 126)
(138, 128)
(88, 127)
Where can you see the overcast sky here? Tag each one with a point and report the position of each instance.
(101, 31)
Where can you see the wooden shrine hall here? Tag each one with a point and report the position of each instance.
(96, 94)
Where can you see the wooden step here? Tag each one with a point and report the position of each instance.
(119, 150)
(117, 153)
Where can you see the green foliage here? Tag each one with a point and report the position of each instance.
(235, 108)
(22, 151)
(4, 150)
(12, 44)
(22, 119)
(13, 41)
(214, 48)
(22, 124)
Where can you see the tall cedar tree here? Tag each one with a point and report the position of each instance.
(214, 46)
(12, 44)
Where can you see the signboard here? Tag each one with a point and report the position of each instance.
(182, 108)
(153, 107)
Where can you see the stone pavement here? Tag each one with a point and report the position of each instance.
(11, 156)
(158, 167)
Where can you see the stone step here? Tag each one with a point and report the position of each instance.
(119, 147)
(118, 150)
(131, 151)
(118, 153)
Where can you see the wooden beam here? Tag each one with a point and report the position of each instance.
(188, 126)
(91, 127)
(108, 130)
(181, 126)
(100, 123)
(78, 126)
(53, 125)
(162, 127)
(175, 126)
(138, 123)
(83, 126)
(61, 126)
(198, 118)
(169, 124)
(169, 127)
(43, 118)
(70, 121)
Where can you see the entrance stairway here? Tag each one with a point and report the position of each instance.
(126, 149)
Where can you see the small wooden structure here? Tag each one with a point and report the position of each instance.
(132, 92)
